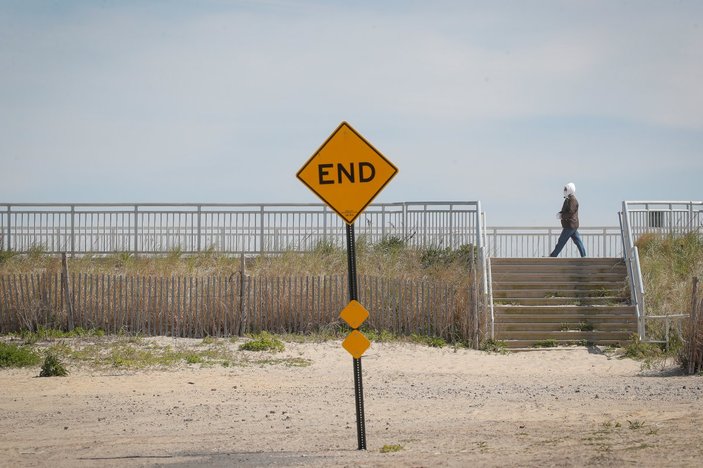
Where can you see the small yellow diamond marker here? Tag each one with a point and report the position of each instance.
(354, 314)
(356, 343)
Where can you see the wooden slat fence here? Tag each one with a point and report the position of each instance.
(225, 306)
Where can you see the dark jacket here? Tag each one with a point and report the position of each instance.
(570, 213)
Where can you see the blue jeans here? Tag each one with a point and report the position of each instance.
(565, 235)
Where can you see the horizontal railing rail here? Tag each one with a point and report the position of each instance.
(516, 242)
(664, 217)
(92, 228)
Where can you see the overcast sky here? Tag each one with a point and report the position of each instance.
(223, 101)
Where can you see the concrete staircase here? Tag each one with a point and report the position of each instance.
(561, 301)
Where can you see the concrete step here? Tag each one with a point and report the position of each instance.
(575, 285)
(550, 293)
(594, 319)
(529, 344)
(585, 326)
(566, 318)
(558, 310)
(550, 301)
(596, 337)
(559, 269)
(558, 262)
(550, 276)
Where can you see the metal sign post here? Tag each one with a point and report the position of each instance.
(347, 172)
(358, 384)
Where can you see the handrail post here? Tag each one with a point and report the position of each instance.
(640, 293)
(198, 243)
(424, 225)
(452, 244)
(136, 229)
(73, 230)
(383, 222)
(487, 280)
(405, 221)
(634, 270)
(261, 231)
(9, 227)
(479, 231)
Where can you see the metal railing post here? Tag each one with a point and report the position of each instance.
(424, 225)
(261, 231)
(479, 225)
(405, 221)
(452, 243)
(485, 265)
(136, 229)
(9, 228)
(634, 270)
(198, 242)
(383, 222)
(73, 230)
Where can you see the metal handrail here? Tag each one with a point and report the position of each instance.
(539, 241)
(634, 271)
(101, 228)
(487, 277)
(665, 217)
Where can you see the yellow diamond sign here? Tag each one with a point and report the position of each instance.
(347, 172)
(356, 343)
(354, 314)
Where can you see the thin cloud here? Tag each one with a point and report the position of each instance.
(222, 101)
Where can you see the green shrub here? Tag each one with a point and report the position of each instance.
(391, 448)
(264, 341)
(431, 341)
(641, 351)
(545, 344)
(35, 252)
(192, 358)
(379, 336)
(465, 255)
(6, 255)
(49, 334)
(52, 367)
(494, 346)
(390, 244)
(326, 247)
(17, 356)
(668, 264)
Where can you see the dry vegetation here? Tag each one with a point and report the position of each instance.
(388, 259)
(668, 266)
(429, 291)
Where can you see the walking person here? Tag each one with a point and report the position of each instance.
(569, 216)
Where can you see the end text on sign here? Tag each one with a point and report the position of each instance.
(362, 172)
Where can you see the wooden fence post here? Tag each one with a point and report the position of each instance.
(66, 290)
(693, 338)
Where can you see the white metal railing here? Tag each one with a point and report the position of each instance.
(664, 217)
(634, 272)
(487, 279)
(82, 228)
(638, 218)
(511, 242)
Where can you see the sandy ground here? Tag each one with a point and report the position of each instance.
(573, 407)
